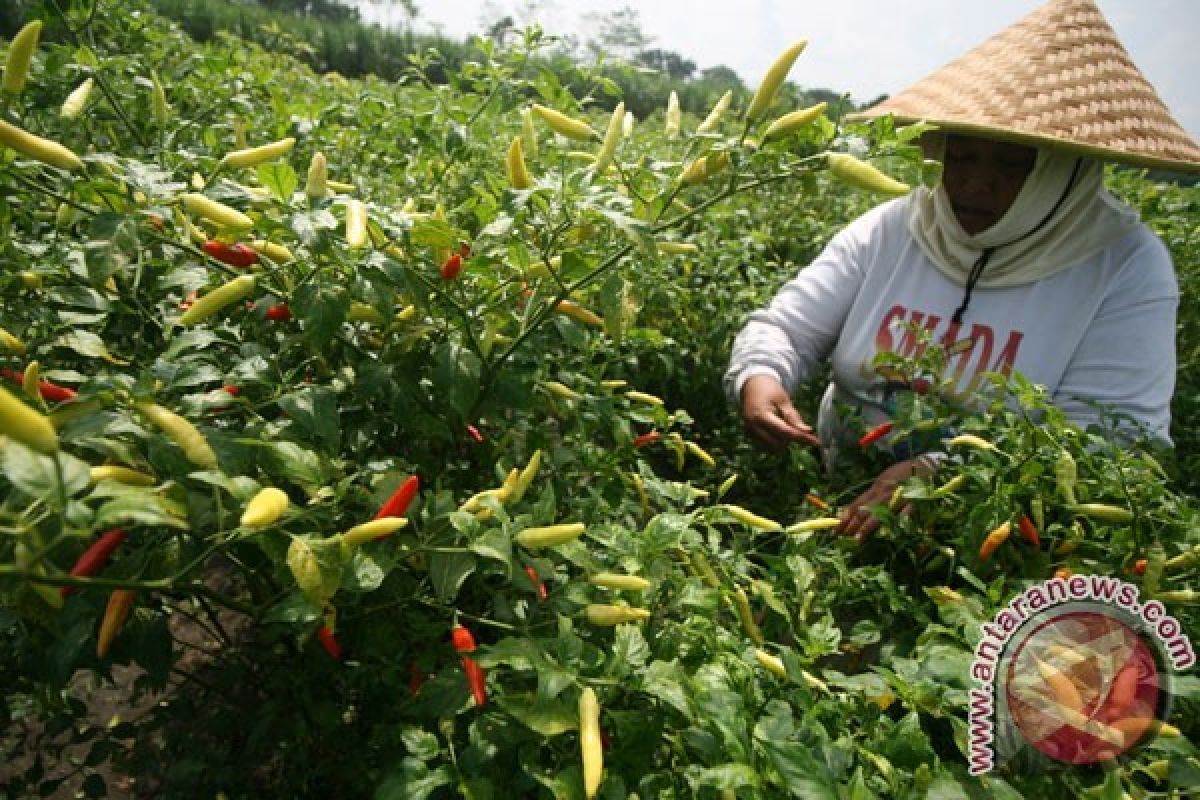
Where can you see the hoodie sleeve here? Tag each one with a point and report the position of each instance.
(802, 323)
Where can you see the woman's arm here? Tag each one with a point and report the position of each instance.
(801, 325)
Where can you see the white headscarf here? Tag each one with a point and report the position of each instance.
(1087, 220)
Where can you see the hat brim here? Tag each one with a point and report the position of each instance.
(1015, 136)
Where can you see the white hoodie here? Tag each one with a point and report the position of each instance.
(1102, 331)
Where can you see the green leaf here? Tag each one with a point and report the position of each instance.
(413, 781)
(309, 226)
(296, 464)
(456, 376)
(665, 681)
(280, 178)
(629, 649)
(147, 508)
(803, 774)
(725, 776)
(314, 416)
(323, 310)
(946, 787)
(908, 747)
(434, 233)
(494, 544)
(448, 571)
(548, 717)
(35, 474)
(87, 344)
(295, 609)
(363, 574)
(420, 743)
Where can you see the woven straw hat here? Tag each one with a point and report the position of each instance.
(1057, 77)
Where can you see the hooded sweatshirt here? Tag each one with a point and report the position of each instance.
(1096, 332)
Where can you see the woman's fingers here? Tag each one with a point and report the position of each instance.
(770, 416)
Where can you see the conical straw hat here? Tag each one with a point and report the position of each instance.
(1057, 77)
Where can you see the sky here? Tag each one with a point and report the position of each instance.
(864, 47)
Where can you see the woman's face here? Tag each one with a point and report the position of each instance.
(982, 179)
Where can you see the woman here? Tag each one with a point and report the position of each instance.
(1018, 260)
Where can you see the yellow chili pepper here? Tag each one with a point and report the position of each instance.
(253, 156)
(125, 475)
(219, 213)
(609, 615)
(265, 508)
(590, 744)
(219, 298)
(612, 137)
(195, 447)
(514, 164)
(673, 117)
(713, 119)
(566, 126)
(862, 175)
(370, 531)
(789, 123)
(76, 101)
(749, 518)
(25, 425)
(316, 187)
(629, 583)
(20, 56)
(550, 535)
(776, 74)
(771, 663)
(46, 151)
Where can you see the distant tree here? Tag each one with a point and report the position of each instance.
(720, 79)
(617, 33)
(501, 28)
(323, 9)
(673, 64)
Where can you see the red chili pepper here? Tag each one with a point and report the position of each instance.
(50, 392)
(1139, 567)
(1029, 531)
(232, 389)
(646, 438)
(463, 639)
(537, 582)
(875, 434)
(1122, 692)
(398, 503)
(451, 267)
(464, 642)
(475, 679)
(279, 313)
(415, 679)
(235, 255)
(95, 557)
(325, 636)
(474, 433)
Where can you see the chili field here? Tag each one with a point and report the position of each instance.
(380, 426)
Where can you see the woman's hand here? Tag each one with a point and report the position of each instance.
(769, 415)
(857, 520)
